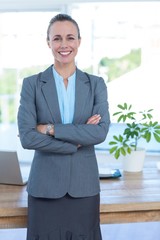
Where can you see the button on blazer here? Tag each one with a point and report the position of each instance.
(59, 166)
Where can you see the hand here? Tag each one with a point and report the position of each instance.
(94, 119)
(47, 129)
(42, 128)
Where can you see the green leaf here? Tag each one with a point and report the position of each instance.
(129, 150)
(148, 136)
(123, 151)
(121, 107)
(157, 131)
(120, 138)
(122, 118)
(117, 154)
(149, 116)
(112, 143)
(130, 106)
(112, 150)
(116, 113)
(116, 138)
(157, 137)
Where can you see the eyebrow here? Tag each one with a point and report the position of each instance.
(68, 35)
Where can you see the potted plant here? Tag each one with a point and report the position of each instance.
(138, 125)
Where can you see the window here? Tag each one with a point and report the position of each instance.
(23, 51)
(123, 45)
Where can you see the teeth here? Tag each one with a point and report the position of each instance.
(64, 53)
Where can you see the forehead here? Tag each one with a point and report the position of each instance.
(63, 28)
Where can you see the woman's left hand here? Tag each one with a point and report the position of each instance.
(94, 119)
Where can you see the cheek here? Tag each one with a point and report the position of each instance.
(54, 50)
(54, 47)
(75, 47)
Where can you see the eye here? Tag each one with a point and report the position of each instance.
(71, 38)
(56, 39)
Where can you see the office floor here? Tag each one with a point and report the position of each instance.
(138, 231)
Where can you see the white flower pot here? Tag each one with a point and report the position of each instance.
(134, 162)
(158, 165)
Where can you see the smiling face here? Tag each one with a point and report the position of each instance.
(64, 42)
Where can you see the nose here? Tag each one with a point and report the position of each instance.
(64, 43)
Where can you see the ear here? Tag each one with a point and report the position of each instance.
(48, 43)
(80, 41)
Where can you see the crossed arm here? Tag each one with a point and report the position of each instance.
(42, 128)
(64, 138)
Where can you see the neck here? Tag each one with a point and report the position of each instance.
(65, 70)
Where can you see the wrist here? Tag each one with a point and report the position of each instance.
(49, 129)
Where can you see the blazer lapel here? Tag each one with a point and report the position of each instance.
(81, 95)
(50, 94)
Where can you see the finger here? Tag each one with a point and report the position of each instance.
(94, 118)
(94, 121)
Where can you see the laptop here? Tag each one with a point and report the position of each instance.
(11, 172)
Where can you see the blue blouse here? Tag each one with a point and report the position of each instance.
(66, 96)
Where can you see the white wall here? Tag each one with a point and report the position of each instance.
(47, 5)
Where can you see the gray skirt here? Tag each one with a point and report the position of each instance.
(65, 218)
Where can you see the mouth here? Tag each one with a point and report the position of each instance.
(65, 53)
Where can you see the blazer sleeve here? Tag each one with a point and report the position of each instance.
(89, 134)
(27, 121)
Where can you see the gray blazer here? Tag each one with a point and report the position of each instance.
(59, 166)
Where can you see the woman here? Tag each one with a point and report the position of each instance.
(63, 113)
